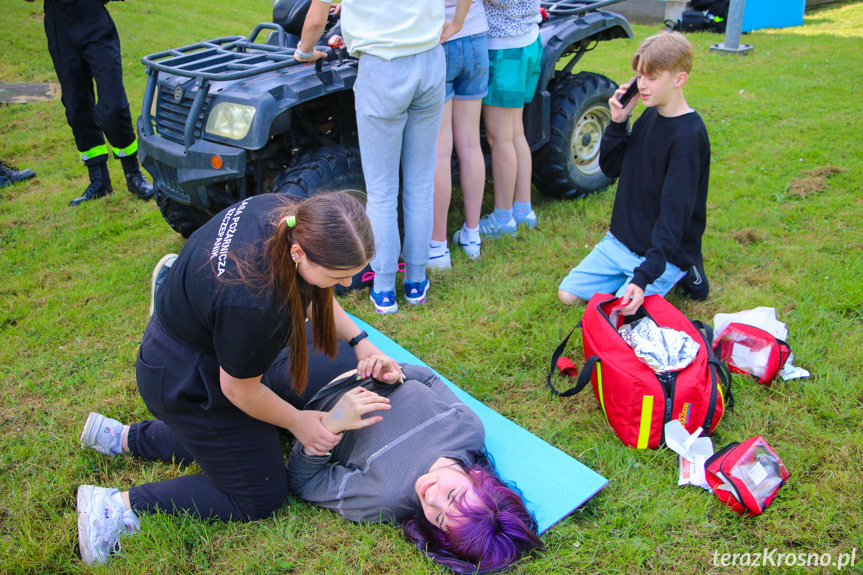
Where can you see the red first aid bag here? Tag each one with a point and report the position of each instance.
(752, 350)
(636, 402)
(746, 476)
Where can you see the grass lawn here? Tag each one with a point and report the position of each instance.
(784, 231)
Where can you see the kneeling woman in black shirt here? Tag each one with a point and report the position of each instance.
(239, 292)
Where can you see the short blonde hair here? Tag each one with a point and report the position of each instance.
(666, 51)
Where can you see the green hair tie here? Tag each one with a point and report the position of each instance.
(291, 221)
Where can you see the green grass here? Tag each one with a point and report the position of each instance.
(74, 297)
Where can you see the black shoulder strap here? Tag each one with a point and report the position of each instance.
(722, 370)
(583, 377)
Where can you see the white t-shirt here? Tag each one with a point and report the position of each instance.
(391, 29)
(474, 22)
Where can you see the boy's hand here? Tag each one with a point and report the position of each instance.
(348, 412)
(635, 295)
(619, 113)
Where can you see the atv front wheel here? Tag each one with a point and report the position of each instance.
(333, 168)
(183, 219)
(568, 165)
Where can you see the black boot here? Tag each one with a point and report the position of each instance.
(135, 180)
(100, 184)
(10, 174)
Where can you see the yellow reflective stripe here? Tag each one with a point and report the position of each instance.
(127, 151)
(646, 418)
(599, 386)
(94, 152)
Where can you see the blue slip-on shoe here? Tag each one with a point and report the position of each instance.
(415, 292)
(385, 302)
(529, 219)
(489, 226)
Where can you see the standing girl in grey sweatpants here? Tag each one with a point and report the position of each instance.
(399, 99)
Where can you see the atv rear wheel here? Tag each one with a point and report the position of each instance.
(183, 219)
(333, 168)
(568, 165)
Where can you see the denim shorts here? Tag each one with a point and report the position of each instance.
(513, 75)
(608, 268)
(466, 67)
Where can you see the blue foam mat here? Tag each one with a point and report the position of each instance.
(554, 484)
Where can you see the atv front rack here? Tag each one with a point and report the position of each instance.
(219, 60)
(574, 8)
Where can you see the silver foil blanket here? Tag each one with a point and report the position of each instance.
(662, 348)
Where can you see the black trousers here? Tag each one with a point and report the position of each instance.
(241, 459)
(85, 47)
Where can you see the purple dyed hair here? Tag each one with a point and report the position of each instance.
(489, 536)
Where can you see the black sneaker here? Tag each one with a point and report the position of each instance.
(694, 284)
(10, 174)
(100, 185)
(160, 272)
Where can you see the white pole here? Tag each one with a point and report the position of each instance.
(733, 29)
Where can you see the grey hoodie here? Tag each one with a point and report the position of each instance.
(371, 473)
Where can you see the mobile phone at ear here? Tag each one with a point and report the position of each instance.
(630, 92)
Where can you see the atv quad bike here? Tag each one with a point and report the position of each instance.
(238, 116)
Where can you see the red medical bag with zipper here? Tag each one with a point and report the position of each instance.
(636, 402)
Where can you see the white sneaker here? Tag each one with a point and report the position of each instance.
(103, 434)
(471, 248)
(101, 522)
(441, 261)
(160, 272)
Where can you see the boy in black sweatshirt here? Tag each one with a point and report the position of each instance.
(660, 209)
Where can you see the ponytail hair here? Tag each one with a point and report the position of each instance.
(334, 232)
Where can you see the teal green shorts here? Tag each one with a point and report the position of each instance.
(513, 75)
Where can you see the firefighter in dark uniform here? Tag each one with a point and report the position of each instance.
(84, 46)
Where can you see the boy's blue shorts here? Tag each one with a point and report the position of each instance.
(513, 75)
(608, 268)
(466, 67)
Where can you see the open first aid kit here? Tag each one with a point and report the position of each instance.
(751, 350)
(746, 476)
(636, 399)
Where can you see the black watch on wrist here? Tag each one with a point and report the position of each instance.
(358, 338)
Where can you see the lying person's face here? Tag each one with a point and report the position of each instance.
(440, 488)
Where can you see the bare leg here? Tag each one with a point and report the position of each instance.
(443, 173)
(523, 158)
(569, 299)
(465, 132)
(504, 162)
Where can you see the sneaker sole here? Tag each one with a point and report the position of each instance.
(94, 421)
(153, 278)
(85, 501)
(384, 310)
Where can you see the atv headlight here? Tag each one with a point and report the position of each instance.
(230, 120)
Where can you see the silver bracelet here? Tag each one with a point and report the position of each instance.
(305, 55)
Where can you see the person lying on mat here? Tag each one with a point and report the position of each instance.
(420, 460)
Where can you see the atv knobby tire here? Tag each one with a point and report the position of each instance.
(568, 165)
(333, 168)
(183, 219)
